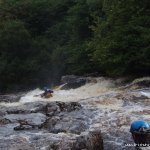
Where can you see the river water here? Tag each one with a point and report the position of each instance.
(114, 108)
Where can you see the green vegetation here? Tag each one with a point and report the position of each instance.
(41, 40)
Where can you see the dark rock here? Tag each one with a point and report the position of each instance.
(72, 106)
(57, 111)
(138, 83)
(48, 108)
(135, 98)
(62, 129)
(10, 98)
(35, 107)
(4, 121)
(65, 124)
(75, 121)
(58, 107)
(78, 83)
(67, 144)
(27, 108)
(16, 110)
(22, 147)
(53, 108)
(72, 82)
(27, 121)
(94, 140)
(88, 141)
(23, 127)
(80, 143)
(91, 80)
(70, 126)
(2, 111)
(69, 79)
(144, 83)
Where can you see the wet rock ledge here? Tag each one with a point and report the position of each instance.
(48, 126)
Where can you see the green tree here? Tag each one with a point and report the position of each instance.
(15, 43)
(121, 41)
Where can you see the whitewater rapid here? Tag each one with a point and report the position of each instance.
(115, 107)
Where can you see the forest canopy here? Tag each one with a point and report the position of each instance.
(41, 40)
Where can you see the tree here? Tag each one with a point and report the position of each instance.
(121, 40)
(15, 43)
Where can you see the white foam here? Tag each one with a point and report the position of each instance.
(86, 91)
(146, 94)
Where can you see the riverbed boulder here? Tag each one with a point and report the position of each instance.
(66, 124)
(138, 84)
(72, 82)
(68, 79)
(75, 121)
(47, 125)
(4, 121)
(88, 141)
(26, 108)
(10, 98)
(26, 121)
(60, 107)
(94, 140)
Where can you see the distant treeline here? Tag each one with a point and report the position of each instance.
(41, 40)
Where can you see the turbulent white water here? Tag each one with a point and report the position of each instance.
(114, 114)
(84, 92)
(87, 91)
(146, 93)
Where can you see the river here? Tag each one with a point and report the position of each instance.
(114, 107)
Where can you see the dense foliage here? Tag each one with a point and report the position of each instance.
(40, 40)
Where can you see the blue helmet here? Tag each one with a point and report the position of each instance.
(45, 88)
(136, 125)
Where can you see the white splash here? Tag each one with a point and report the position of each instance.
(146, 93)
(86, 91)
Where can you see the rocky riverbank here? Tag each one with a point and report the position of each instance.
(47, 125)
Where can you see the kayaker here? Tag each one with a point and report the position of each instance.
(47, 93)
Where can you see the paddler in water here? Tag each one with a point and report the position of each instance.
(140, 130)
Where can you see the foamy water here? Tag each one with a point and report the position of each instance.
(146, 94)
(86, 91)
(113, 114)
(98, 95)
